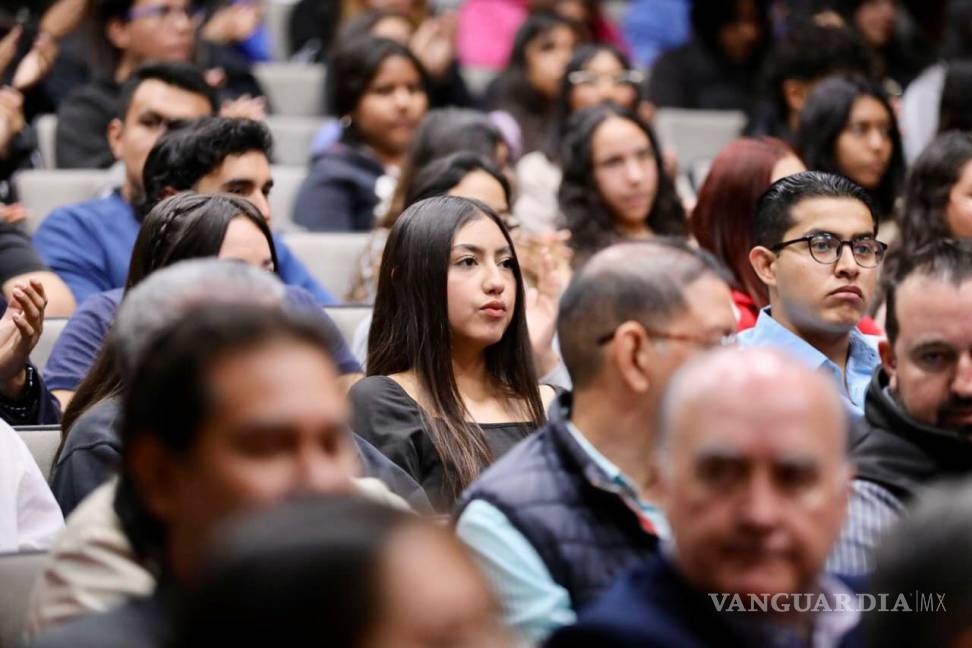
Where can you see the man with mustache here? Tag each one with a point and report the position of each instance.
(816, 249)
(917, 421)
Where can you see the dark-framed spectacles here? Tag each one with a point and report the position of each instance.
(705, 342)
(826, 249)
(164, 12)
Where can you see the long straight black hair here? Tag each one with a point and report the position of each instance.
(410, 331)
(184, 226)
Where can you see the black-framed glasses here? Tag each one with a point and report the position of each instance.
(706, 342)
(826, 249)
(164, 12)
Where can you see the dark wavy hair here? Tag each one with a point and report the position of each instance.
(587, 217)
(352, 67)
(442, 174)
(184, 226)
(442, 132)
(185, 155)
(823, 118)
(410, 331)
(562, 110)
(931, 178)
(722, 221)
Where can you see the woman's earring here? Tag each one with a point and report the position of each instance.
(346, 121)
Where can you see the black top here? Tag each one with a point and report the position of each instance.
(384, 414)
(691, 77)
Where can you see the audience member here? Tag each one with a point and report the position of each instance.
(918, 408)
(938, 193)
(752, 515)
(595, 74)
(432, 42)
(527, 88)
(722, 220)
(614, 186)
(20, 264)
(25, 399)
(83, 365)
(29, 516)
(900, 55)
(352, 573)
(377, 87)
(451, 383)
(487, 29)
(717, 69)
(92, 567)
(848, 127)
(926, 557)
(817, 292)
(800, 59)
(559, 517)
(136, 32)
(261, 417)
(209, 155)
(74, 240)
(441, 176)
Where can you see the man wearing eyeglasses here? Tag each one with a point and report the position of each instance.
(138, 32)
(817, 252)
(558, 517)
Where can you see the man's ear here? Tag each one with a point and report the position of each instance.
(762, 259)
(115, 129)
(633, 357)
(890, 363)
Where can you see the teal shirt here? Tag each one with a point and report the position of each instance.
(533, 603)
(862, 359)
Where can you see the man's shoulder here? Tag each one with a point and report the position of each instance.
(509, 475)
(95, 212)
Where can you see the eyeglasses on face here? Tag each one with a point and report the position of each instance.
(826, 249)
(164, 12)
(704, 342)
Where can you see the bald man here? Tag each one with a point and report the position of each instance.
(754, 497)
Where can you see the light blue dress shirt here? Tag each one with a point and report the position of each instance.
(862, 359)
(533, 603)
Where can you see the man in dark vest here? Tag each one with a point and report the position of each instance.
(555, 520)
(754, 478)
(918, 410)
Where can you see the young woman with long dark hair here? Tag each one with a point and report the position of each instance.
(451, 384)
(847, 127)
(527, 88)
(938, 193)
(614, 186)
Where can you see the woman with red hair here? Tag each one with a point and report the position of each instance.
(722, 221)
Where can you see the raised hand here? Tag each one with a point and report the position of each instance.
(20, 329)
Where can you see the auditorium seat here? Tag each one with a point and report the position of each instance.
(697, 134)
(43, 190)
(330, 257)
(42, 441)
(52, 329)
(277, 20)
(292, 138)
(18, 571)
(347, 318)
(293, 88)
(46, 128)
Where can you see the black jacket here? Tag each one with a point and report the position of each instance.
(338, 194)
(899, 453)
(562, 503)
